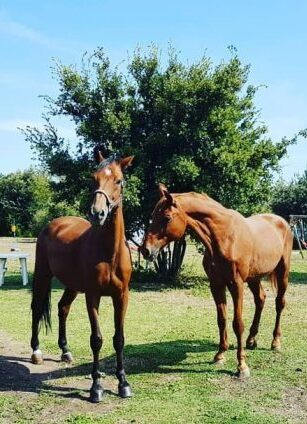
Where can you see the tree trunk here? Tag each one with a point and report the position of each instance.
(169, 260)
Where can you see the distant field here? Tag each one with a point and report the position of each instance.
(171, 337)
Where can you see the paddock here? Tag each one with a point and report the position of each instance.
(168, 357)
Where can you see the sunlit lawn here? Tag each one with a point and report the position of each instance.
(171, 337)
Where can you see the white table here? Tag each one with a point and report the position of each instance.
(23, 265)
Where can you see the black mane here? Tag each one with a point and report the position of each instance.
(113, 158)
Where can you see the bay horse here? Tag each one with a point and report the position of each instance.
(91, 258)
(238, 250)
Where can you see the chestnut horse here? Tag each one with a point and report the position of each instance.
(91, 259)
(238, 250)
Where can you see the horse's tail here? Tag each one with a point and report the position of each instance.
(273, 280)
(41, 288)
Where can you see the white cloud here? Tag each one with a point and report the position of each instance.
(16, 29)
(13, 125)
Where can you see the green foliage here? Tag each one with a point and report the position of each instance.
(192, 126)
(291, 198)
(27, 200)
(24, 196)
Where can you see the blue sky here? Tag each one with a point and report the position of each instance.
(269, 35)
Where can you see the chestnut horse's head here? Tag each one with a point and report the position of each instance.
(168, 224)
(108, 182)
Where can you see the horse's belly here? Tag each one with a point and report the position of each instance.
(267, 233)
(264, 263)
(66, 267)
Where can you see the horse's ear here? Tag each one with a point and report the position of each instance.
(169, 198)
(98, 156)
(125, 162)
(162, 190)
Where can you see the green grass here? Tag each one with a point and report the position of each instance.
(171, 337)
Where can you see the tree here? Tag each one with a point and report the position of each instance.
(27, 201)
(192, 127)
(291, 198)
(22, 194)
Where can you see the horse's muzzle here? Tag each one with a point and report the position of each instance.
(97, 218)
(149, 254)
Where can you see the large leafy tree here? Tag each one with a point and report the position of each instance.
(191, 126)
(290, 198)
(27, 200)
(22, 195)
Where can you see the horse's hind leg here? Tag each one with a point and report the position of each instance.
(63, 311)
(120, 306)
(281, 275)
(259, 299)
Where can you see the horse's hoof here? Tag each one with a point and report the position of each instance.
(219, 359)
(243, 373)
(219, 362)
(37, 357)
(67, 357)
(276, 348)
(252, 344)
(124, 391)
(96, 394)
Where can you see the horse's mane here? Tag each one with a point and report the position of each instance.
(113, 158)
(200, 196)
(194, 194)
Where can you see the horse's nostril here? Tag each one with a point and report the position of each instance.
(146, 252)
(93, 212)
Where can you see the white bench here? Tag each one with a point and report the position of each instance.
(23, 265)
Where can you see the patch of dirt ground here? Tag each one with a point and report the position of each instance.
(295, 405)
(66, 386)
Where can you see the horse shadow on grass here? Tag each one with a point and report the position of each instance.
(298, 277)
(160, 358)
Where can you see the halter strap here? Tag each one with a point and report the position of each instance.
(110, 204)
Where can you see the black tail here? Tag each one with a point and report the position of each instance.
(41, 301)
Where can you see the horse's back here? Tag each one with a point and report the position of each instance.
(58, 247)
(272, 242)
(268, 226)
(66, 229)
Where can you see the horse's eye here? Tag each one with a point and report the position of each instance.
(167, 219)
(118, 182)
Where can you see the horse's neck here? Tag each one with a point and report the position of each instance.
(206, 218)
(113, 233)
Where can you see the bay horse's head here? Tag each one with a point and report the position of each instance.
(108, 182)
(168, 224)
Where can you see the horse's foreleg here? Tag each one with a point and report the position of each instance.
(63, 311)
(280, 301)
(236, 290)
(259, 299)
(219, 295)
(120, 303)
(92, 302)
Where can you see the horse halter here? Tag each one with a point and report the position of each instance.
(109, 202)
